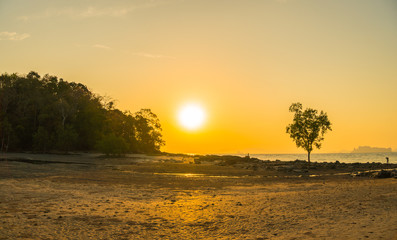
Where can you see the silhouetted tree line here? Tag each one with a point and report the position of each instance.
(49, 114)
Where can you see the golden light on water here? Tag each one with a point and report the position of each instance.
(191, 116)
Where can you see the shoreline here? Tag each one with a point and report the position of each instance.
(196, 165)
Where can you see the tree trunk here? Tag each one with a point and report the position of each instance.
(308, 157)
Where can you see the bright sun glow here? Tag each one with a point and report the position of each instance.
(191, 116)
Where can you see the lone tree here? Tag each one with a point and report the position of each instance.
(308, 127)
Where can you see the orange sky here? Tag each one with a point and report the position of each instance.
(245, 62)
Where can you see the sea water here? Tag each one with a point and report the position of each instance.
(331, 157)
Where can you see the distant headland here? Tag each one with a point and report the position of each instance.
(368, 149)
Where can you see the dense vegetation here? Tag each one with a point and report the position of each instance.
(49, 114)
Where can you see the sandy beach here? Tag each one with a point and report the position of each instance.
(170, 197)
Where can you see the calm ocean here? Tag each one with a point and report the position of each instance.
(331, 157)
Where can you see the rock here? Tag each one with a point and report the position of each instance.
(363, 174)
(385, 174)
(300, 170)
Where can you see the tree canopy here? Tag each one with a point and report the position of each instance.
(308, 127)
(49, 114)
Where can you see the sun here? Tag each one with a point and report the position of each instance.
(191, 116)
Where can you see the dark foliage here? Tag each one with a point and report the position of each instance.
(308, 127)
(49, 114)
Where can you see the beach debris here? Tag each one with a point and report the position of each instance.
(377, 174)
(202, 208)
(363, 174)
(386, 174)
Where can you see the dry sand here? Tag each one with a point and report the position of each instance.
(85, 197)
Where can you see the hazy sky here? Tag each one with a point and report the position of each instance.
(244, 61)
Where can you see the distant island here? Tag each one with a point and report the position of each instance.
(367, 149)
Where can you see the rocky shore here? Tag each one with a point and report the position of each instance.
(374, 169)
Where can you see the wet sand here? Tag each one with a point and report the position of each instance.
(141, 197)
